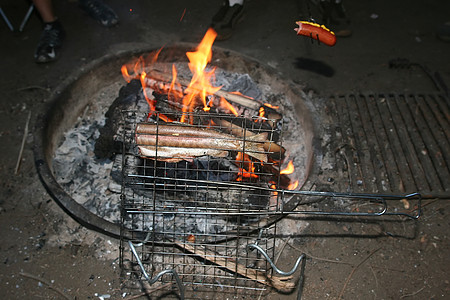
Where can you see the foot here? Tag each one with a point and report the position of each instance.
(443, 32)
(226, 19)
(335, 18)
(101, 12)
(51, 40)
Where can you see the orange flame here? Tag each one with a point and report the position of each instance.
(293, 185)
(248, 167)
(289, 169)
(200, 86)
(271, 106)
(225, 104)
(138, 68)
(175, 88)
(262, 112)
(125, 74)
(274, 187)
(198, 91)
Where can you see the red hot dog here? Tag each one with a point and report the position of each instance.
(316, 31)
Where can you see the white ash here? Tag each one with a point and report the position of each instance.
(84, 177)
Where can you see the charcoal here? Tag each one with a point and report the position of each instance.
(216, 170)
(130, 97)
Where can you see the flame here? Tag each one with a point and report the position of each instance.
(293, 185)
(271, 106)
(225, 104)
(240, 94)
(289, 169)
(248, 167)
(273, 186)
(198, 93)
(175, 88)
(191, 96)
(125, 73)
(262, 112)
(200, 86)
(138, 68)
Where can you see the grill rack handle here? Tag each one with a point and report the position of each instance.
(381, 198)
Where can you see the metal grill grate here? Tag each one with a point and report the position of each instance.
(392, 142)
(201, 219)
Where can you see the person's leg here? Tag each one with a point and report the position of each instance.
(443, 32)
(52, 36)
(233, 2)
(227, 17)
(335, 17)
(100, 11)
(45, 9)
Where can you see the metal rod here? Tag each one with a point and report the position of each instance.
(209, 183)
(153, 280)
(380, 198)
(274, 267)
(5, 18)
(26, 18)
(301, 280)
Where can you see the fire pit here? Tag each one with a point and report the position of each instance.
(85, 97)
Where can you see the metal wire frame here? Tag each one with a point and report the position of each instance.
(379, 199)
(167, 238)
(153, 202)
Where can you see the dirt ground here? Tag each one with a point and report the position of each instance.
(45, 254)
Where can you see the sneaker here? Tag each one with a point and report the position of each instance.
(225, 19)
(443, 32)
(101, 12)
(51, 40)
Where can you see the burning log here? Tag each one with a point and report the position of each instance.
(155, 77)
(159, 76)
(276, 151)
(198, 138)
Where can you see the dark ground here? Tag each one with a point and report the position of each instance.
(348, 259)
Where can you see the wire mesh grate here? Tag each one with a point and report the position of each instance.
(201, 217)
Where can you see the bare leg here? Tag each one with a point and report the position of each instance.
(45, 9)
(225, 20)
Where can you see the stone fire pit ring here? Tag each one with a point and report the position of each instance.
(67, 105)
